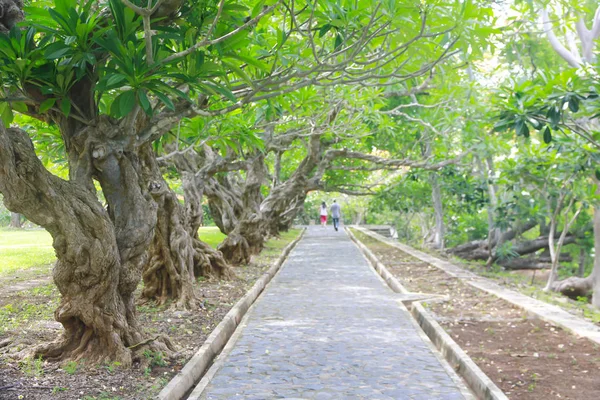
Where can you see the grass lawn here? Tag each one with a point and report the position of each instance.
(22, 249)
(211, 235)
(274, 246)
(28, 249)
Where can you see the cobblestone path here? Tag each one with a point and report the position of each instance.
(328, 328)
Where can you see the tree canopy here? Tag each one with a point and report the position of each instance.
(469, 125)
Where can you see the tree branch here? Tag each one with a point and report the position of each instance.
(555, 43)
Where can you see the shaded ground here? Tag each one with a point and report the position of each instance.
(527, 358)
(26, 319)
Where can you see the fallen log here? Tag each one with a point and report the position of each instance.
(532, 262)
(468, 252)
(524, 263)
(531, 246)
(574, 287)
(481, 246)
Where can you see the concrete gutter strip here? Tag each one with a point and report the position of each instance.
(390, 279)
(546, 312)
(193, 370)
(220, 359)
(478, 381)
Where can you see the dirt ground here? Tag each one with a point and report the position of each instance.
(526, 358)
(36, 379)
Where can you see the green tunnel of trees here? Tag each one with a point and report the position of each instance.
(469, 125)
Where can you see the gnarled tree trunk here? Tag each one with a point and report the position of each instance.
(176, 256)
(99, 253)
(225, 201)
(577, 287)
(248, 236)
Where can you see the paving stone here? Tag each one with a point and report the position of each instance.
(328, 328)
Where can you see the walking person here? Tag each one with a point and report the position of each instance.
(336, 213)
(323, 212)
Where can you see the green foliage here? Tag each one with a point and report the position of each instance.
(71, 367)
(32, 366)
(112, 366)
(505, 251)
(155, 358)
(540, 105)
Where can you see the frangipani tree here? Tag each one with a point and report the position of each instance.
(116, 77)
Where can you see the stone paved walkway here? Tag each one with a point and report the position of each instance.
(328, 328)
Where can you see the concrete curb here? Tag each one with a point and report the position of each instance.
(390, 279)
(179, 386)
(544, 311)
(222, 356)
(478, 381)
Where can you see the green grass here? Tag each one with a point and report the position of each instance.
(22, 249)
(211, 235)
(27, 310)
(274, 246)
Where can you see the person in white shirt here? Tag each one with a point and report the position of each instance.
(336, 213)
(323, 211)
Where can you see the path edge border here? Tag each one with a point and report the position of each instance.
(535, 308)
(482, 386)
(193, 370)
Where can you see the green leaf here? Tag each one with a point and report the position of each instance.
(19, 106)
(115, 80)
(70, 40)
(165, 99)
(338, 41)
(547, 135)
(56, 50)
(6, 114)
(47, 104)
(220, 89)
(65, 106)
(597, 173)
(123, 104)
(324, 29)
(553, 115)
(144, 102)
(574, 104)
(519, 127)
(257, 8)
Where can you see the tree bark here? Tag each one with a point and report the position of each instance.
(15, 220)
(595, 275)
(282, 204)
(581, 264)
(478, 249)
(578, 287)
(436, 193)
(99, 256)
(173, 263)
(225, 201)
(532, 262)
(248, 236)
(474, 252)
